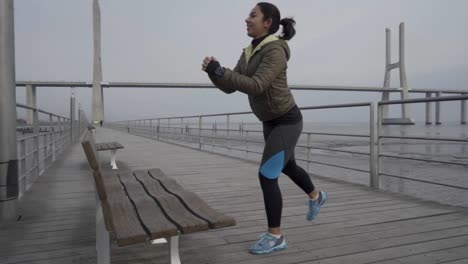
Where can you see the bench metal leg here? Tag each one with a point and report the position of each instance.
(113, 156)
(173, 248)
(102, 238)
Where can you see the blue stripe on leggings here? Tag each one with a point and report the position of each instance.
(272, 168)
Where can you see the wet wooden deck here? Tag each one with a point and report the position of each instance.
(357, 225)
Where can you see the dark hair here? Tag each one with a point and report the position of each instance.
(271, 11)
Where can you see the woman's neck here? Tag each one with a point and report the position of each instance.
(258, 40)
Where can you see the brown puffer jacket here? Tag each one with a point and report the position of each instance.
(261, 74)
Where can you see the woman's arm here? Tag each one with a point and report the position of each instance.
(223, 86)
(271, 65)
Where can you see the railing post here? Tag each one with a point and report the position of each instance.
(72, 116)
(246, 144)
(463, 112)
(151, 128)
(438, 110)
(308, 152)
(428, 109)
(374, 181)
(228, 132)
(36, 144)
(52, 136)
(200, 132)
(22, 162)
(60, 140)
(158, 128)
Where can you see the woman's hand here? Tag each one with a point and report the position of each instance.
(207, 61)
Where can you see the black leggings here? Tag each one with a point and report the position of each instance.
(278, 156)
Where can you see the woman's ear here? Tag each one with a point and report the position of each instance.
(267, 23)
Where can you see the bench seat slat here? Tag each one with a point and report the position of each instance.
(171, 205)
(108, 146)
(125, 223)
(149, 211)
(193, 202)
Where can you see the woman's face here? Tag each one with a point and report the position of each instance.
(256, 27)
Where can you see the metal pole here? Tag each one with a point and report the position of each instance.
(463, 112)
(308, 152)
(151, 128)
(246, 144)
(36, 145)
(79, 120)
(428, 110)
(376, 182)
(72, 116)
(159, 127)
(200, 132)
(8, 149)
(438, 110)
(182, 128)
(228, 132)
(373, 174)
(52, 136)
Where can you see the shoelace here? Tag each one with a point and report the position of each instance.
(263, 238)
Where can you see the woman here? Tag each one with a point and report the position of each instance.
(261, 74)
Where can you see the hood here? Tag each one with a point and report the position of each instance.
(270, 40)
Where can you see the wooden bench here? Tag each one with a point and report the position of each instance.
(113, 147)
(145, 206)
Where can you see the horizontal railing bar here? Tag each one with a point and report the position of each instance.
(425, 160)
(425, 181)
(427, 138)
(425, 100)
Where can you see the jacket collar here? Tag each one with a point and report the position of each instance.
(250, 51)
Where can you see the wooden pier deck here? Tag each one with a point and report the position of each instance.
(357, 225)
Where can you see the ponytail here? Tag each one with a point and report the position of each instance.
(288, 28)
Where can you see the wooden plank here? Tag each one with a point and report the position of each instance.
(118, 145)
(171, 206)
(148, 210)
(439, 256)
(90, 150)
(47, 255)
(126, 225)
(192, 202)
(360, 251)
(99, 146)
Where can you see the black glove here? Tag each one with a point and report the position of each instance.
(214, 68)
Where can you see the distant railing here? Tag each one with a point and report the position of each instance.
(195, 132)
(200, 135)
(429, 93)
(381, 154)
(42, 140)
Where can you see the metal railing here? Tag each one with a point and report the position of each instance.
(41, 141)
(381, 137)
(193, 132)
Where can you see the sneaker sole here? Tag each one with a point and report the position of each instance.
(271, 250)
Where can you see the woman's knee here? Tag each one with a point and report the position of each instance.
(290, 167)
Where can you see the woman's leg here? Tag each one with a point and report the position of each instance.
(301, 178)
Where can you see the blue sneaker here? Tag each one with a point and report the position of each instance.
(268, 244)
(314, 206)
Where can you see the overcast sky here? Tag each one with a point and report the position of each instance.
(338, 42)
